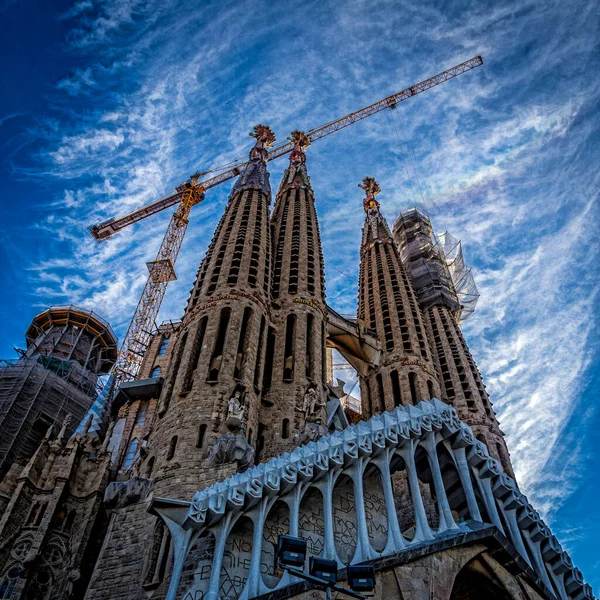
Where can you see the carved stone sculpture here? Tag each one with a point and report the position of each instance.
(229, 448)
(236, 408)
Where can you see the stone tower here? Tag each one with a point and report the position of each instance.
(212, 389)
(462, 385)
(294, 380)
(387, 305)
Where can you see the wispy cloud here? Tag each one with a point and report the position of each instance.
(503, 157)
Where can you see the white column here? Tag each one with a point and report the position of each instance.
(181, 546)
(446, 518)
(536, 553)
(422, 529)
(395, 541)
(363, 544)
(221, 534)
(510, 516)
(460, 458)
(258, 516)
(485, 487)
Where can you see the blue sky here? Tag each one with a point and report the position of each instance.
(109, 104)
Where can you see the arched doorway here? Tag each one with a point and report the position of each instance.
(476, 581)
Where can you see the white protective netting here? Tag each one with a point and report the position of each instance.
(461, 274)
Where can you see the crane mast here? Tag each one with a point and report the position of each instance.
(190, 193)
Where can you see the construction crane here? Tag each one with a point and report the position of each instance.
(192, 192)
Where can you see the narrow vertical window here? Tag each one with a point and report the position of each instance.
(201, 435)
(396, 388)
(149, 466)
(217, 354)
(268, 373)
(309, 346)
(242, 344)
(285, 429)
(380, 392)
(258, 365)
(430, 388)
(131, 453)
(155, 372)
(288, 361)
(412, 381)
(172, 448)
(162, 350)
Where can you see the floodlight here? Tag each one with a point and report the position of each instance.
(291, 551)
(323, 568)
(361, 578)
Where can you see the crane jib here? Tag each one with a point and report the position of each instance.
(106, 229)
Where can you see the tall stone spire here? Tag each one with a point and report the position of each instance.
(462, 385)
(211, 392)
(387, 304)
(294, 379)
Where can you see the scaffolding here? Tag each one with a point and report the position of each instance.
(435, 264)
(57, 375)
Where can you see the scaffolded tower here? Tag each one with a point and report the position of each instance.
(447, 294)
(57, 375)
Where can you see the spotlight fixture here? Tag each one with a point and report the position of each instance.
(291, 552)
(323, 569)
(361, 578)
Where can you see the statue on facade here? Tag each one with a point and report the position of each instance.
(236, 409)
(312, 403)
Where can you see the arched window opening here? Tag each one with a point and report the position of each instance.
(380, 392)
(412, 381)
(157, 557)
(288, 360)
(250, 435)
(162, 350)
(201, 435)
(131, 453)
(140, 417)
(396, 388)
(285, 429)
(155, 372)
(172, 447)
(242, 344)
(217, 354)
(430, 388)
(149, 466)
(9, 582)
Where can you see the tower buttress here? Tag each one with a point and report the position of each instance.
(295, 368)
(462, 385)
(387, 304)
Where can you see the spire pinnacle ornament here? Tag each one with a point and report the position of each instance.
(263, 135)
(371, 188)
